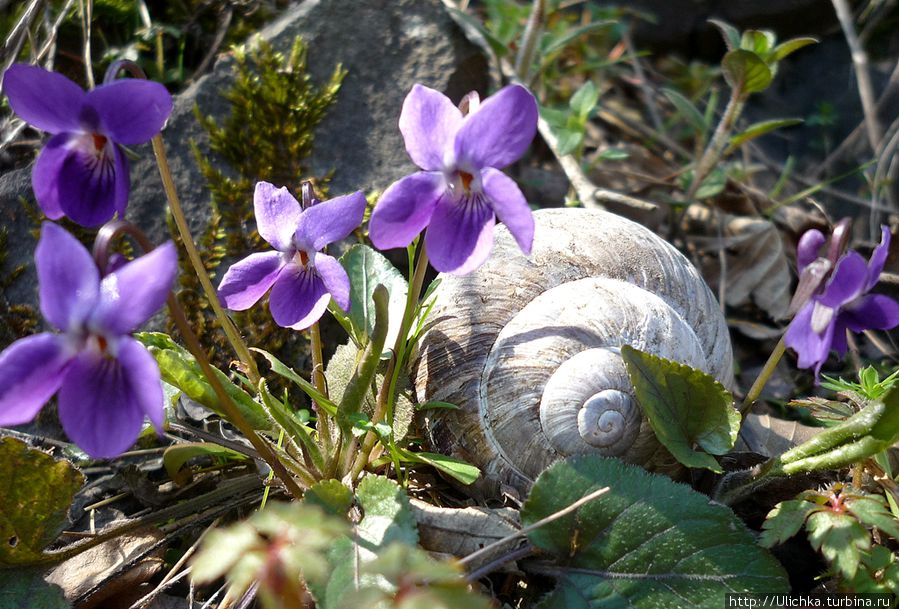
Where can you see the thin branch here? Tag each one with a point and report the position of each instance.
(862, 73)
(642, 82)
(533, 527)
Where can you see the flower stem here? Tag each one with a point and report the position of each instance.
(240, 348)
(318, 379)
(396, 364)
(714, 150)
(764, 376)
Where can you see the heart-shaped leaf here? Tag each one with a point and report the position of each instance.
(645, 544)
(746, 72)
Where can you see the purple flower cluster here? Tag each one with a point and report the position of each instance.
(82, 172)
(301, 277)
(842, 303)
(107, 382)
(460, 191)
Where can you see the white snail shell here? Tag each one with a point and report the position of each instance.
(528, 347)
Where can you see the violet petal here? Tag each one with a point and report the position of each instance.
(130, 295)
(299, 298)
(47, 100)
(405, 209)
(847, 281)
(45, 174)
(31, 371)
(142, 374)
(131, 111)
(248, 280)
(277, 215)
(429, 122)
(334, 276)
(812, 348)
(878, 258)
(499, 132)
(460, 236)
(807, 249)
(68, 279)
(98, 408)
(330, 221)
(872, 312)
(510, 206)
(87, 185)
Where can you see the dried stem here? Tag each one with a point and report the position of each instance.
(528, 43)
(862, 74)
(715, 149)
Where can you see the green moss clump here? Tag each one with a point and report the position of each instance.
(16, 321)
(268, 136)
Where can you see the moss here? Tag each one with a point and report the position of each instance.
(16, 320)
(268, 136)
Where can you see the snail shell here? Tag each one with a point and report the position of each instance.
(528, 347)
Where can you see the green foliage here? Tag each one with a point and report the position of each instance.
(35, 501)
(685, 407)
(367, 268)
(330, 495)
(275, 108)
(869, 384)
(386, 519)
(176, 457)
(570, 124)
(647, 542)
(280, 547)
(840, 523)
(178, 368)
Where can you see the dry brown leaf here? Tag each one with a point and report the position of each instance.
(463, 531)
(114, 569)
(767, 436)
(757, 266)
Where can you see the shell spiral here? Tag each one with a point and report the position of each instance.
(528, 347)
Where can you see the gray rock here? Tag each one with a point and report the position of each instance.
(386, 47)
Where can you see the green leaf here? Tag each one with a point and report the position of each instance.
(283, 370)
(613, 154)
(366, 269)
(584, 100)
(759, 42)
(386, 519)
(746, 72)
(789, 47)
(178, 367)
(556, 118)
(34, 504)
(684, 406)
(571, 34)
(647, 543)
(687, 109)
(359, 385)
(713, 184)
(475, 31)
(466, 473)
(730, 33)
(295, 429)
(435, 405)
(840, 538)
(22, 588)
(177, 455)
(761, 128)
(872, 511)
(785, 520)
(331, 495)
(568, 140)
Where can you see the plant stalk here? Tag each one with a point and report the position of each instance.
(318, 379)
(396, 364)
(716, 146)
(764, 376)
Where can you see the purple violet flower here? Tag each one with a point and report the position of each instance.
(82, 172)
(843, 303)
(461, 189)
(107, 381)
(302, 278)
